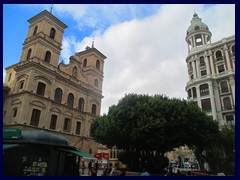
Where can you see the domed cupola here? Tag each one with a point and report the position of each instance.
(198, 33)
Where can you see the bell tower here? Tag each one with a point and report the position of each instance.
(44, 39)
(198, 34)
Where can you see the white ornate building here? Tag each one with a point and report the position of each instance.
(211, 70)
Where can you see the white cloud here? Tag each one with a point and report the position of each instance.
(148, 55)
(4, 74)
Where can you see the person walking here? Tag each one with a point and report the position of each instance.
(96, 166)
(83, 167)
(89, 167)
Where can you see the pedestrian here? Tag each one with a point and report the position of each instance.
(83, 167)
(89, 167)
(123, 173)
(96, 166)
(179, 173)
(107, 171)
(93, 171)
(189, 173)
(170, 172)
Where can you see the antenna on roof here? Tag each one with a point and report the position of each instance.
(93, 43)
(51, 8)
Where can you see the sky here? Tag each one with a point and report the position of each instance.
(144, 43)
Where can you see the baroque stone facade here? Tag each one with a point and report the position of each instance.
(41, 93)
(211, 70)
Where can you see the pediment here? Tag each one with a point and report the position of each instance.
(16, 101)
(56, 110)
(38, 104)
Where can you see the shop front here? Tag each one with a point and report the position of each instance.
(39, 153)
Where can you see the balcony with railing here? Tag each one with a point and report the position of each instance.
(207, 110)
(190, 70)
(228, 108)
(219, 58)
(204, 93)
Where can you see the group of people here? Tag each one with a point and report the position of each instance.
(107, 170)
(92, 168)
(171, 173)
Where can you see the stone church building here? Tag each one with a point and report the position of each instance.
(42, 94)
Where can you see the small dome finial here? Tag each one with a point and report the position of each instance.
(51, 8)
(93, 43)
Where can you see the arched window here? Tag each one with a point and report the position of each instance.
(70, 100)
(81, 104)
(52, 33)
(78, 128)
(189, 93)
(58, 95)
(35, 30)
(84, 62)
(29, 54)
(47, 57)
(204, 90)
(98, 64)
(96, 83)
(74, 72)
(196, 28)
(219, 56)
(227, 103)
(21, 83)
(94, 109)
(224, 87)
(194, 92)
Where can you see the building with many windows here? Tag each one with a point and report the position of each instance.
(211, 70)
(41, 93)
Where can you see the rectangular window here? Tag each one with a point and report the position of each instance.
(206, 105)
(203, 73)
(15, 112)
(230, 119)
(41, 88)
(78, 128)
(67, 125)
(35, 117)
(202, 62)
(221, 69)
(53, 121)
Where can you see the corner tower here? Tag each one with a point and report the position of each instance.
(198, 34)
(211, 70)
(44, 38)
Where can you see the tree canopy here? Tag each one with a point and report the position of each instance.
(154, 123)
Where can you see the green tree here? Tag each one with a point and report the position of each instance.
(149, 126)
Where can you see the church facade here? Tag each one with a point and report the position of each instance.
(42, 94)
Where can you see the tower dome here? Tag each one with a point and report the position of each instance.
(198, 33)
(196, 25)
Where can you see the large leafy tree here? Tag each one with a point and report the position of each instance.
(152, 125)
